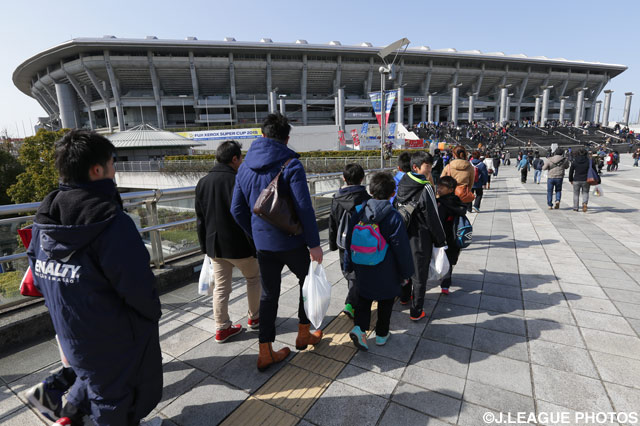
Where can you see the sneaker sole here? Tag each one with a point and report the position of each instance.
(349, 314)
(356, 341)
(417, 319)
(228, 337)
(46, 412)
(254, 327)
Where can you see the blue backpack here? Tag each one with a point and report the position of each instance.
(368, 246)
(462, 231)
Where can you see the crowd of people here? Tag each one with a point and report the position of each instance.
(254, 213)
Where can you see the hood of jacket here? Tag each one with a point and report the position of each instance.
(411, 186)
(265, 153)
(557, 159)
(377, 210)
(476, 161)
(351, 196)
(581, 159)
(453, 203)
(462, 165)
(71, 217)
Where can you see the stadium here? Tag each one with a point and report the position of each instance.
(114, 84)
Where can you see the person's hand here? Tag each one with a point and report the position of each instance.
(315, 254)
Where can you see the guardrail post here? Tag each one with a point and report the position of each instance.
(312, 192)
(156, 241)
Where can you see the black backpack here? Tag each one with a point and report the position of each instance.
(343, 225)
(406, 211)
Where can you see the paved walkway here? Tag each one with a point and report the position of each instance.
(544, 317)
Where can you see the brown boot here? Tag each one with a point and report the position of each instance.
(584, 207)
(306, 338)
(267, 356)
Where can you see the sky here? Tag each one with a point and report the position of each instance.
(588, 30)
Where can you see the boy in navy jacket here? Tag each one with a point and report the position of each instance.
(345, 200)
(381, 282)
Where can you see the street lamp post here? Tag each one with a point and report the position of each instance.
(383, 53)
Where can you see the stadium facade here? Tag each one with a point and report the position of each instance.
(114, 84)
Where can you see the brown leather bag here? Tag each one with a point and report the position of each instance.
(277, 208)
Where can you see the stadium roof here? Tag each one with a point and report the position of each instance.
(24, 73)
(146, 136)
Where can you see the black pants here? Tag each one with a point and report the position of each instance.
(363, 315)
(479, 193)
(523, 175)
(271, 264)
(446, 282)
(351, 298)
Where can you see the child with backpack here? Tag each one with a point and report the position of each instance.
(379, 255)
(450, 210)
(342, 205)
(423, 225)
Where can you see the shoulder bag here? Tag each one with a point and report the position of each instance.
(276, 208)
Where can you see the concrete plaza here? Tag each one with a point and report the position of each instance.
(544, 317)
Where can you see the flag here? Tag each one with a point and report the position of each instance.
(389, 98)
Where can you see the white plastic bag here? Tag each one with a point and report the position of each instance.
(598, 191)
(439, 265)
(206, 276)
(316, 293)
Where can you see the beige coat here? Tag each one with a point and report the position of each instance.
(461, 170)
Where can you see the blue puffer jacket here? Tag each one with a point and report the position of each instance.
(382, 281)
(91, 266)
(262, 163)
(483, 173)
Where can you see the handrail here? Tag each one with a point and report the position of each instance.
(546, 132)
(610, 135)
(566, 136)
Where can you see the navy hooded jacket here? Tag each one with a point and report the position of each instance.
(91, 266)
(384, 280)
(483, 173)
(261, 164)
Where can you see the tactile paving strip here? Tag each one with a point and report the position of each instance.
(286, 397)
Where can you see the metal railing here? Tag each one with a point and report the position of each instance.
(161, 165)
(566, 136)
(611, 136)
(176, 201)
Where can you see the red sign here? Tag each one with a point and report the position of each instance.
(414, 143)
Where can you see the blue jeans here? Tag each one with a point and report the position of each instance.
(551, 184)
(537, 175)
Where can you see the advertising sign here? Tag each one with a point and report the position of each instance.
(414, 143)
(376, 102)
(225, 134)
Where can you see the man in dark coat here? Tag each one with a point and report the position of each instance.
(226, 244)
(275, 247)
(91, 266)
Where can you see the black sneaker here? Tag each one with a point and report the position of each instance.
(46, 400)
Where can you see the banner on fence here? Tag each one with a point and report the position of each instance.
(224, 134)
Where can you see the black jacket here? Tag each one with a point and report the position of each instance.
(91, 266)
(425, 230)
(219, 234)
(449, 208)
(579, 169)
(345, 199)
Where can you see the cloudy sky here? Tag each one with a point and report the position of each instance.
(588, 30)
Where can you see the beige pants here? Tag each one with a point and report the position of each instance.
(222, 273)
